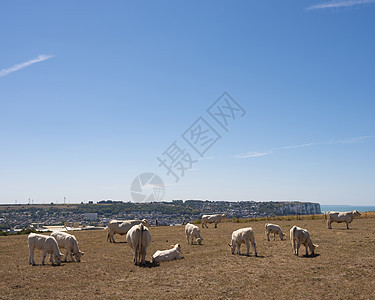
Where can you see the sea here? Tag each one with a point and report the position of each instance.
(340, 208)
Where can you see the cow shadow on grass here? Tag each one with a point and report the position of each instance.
(149, 264)
(311, 255)
(252, 255)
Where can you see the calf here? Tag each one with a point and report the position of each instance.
(69, 242)
(193, 232)
(243, 236)
(275, 229)
(341, 217)
(47, 244)
(167, 255)
(300, 236)
(138, 238)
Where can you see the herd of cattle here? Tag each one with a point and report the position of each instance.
(138, 238)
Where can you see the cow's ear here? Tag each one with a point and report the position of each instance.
(317, 246)
(82, 253)
(229, 245)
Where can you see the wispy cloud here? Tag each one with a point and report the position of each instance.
(339, 4)
(253, 154)
(18, 67)
(354, 140)
(297, 146)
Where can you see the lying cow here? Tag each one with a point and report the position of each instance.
(275, 229)
(243, 236)
(138, 238)
(167, 255)
(47, 244)
(69, 243)
(193, 232)
(341, 217)
(300, 236)
(212, 219)
(121, 227)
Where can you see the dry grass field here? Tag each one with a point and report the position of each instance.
(343, 269)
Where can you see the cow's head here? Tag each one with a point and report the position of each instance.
(177, 247)
(58, 258)
(356, 213)
(232, 248)
(223, 216)
(199, 240)
(78, 255)
(312, 247)
(282, 235)
(144, 222)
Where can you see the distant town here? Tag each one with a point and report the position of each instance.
(14, 218)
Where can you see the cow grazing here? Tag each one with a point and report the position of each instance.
(212, 219)
(193, 232)
(121, 227)
(275, 229)
(243, 236)
(341, 217)
(138, 238)
(47, 244)
(300, 236)
(167, 255)
(69, 243)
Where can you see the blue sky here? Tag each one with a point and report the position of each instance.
(92, 92)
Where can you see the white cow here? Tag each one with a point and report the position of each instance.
(47, 244)
(69, 243)
(341, 217)
(167, 255)
(243, 236)
(193, 232)
(212, 219)
(300, 236)
(121, 227)
(138, 238)
(275, 229)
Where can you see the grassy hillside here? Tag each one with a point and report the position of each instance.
(344, 267)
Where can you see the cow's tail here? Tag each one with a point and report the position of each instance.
(293, 233)
(140, 243)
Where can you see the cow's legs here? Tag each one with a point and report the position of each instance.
(268, 235)
(329, 224)
(31, 256)
(187, 238)
(274, 236)
(255, 249)
(215, 225)
(248, 248)
(298, 245)
(347, 225)
(143, 255)
(44, 256)
(71, 255)
(307, 252)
